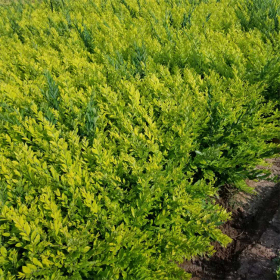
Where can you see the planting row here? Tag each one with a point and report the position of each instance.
(120, 123)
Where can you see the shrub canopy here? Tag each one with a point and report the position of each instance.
(119, 123)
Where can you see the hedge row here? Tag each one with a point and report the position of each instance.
(120, 121)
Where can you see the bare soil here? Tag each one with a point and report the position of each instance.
(255, 233)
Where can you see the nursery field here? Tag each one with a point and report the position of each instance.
(122, 123)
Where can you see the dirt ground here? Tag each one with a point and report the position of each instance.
(255, 230)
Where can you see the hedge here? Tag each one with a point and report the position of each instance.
(120, 123)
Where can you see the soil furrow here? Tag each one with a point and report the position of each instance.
(253, 228)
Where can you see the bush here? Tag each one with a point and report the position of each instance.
(120, 123)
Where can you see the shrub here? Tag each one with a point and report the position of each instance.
(120, 122)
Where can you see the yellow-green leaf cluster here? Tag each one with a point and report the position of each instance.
(120, 122)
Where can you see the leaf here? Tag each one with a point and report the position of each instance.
(37, 239)
(86, 249)
(33, 235)
(133, 212)
(3, 251)
(37, 262)
(26, 270)
(119, 239)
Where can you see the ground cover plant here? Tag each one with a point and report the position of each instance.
(120, 122)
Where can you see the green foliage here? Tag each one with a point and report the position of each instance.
(277, 271)
(120, 122)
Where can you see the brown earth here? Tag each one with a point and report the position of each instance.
(255, 233)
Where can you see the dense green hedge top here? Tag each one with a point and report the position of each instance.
(119, 123)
